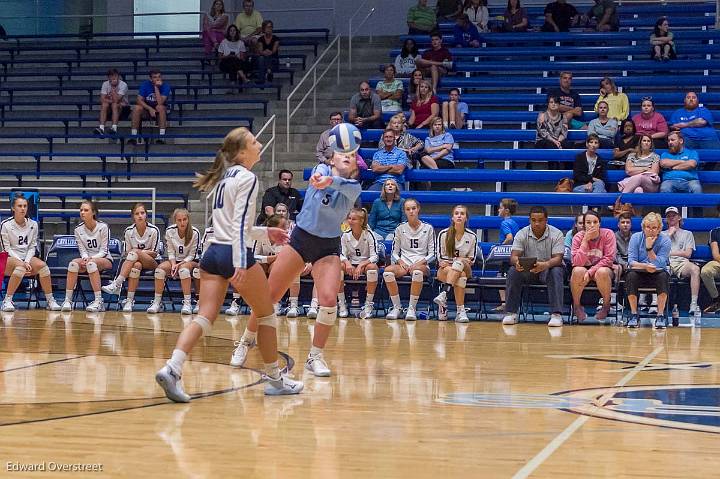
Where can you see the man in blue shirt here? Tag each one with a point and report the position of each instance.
(466, 34)
(679, 167)
(388, 162)
(152, 103)
(696, 124)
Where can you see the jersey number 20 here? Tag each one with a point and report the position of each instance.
(92, 243)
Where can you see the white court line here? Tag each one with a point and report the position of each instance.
(558, 441)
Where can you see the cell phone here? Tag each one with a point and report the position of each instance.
(527, 263)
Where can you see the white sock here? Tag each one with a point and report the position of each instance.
(236, 296)
(7, 298)
(98, 295)
(131, 295)
(176, 360)
(314, 351)
(187, 297)
(49, 298)
(248, 336)
(414, 300)
(314, 303)
(68, 295)
(102, 127)
(693, 300)
(396, 301)
(119, 280)
(272, 370)
(460, 307)
(369, 297)
(162, 131)
(293, 301)
(113, 127)
(133, 131)
(341, 299)
(157, 299)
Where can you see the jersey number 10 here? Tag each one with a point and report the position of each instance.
(219, 194)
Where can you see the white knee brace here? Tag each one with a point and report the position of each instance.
(91, 267)
(134, 273)
(196, 273)
(372, 275)
(204, 324)
(418, 276)
(132, 256)
(19, 271)
(327, 315)
(270, 321)
(184, 273)
(44, 272)
(461, 282)
(73, 267)
(458, 266)
(160, 274)
(389, 277)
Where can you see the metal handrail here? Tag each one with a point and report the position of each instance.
(350, 29)
(313, 88)
(271, 142)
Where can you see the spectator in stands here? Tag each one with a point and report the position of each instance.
(618, 105)
(323, 149)
(388, 162)
(543, 243)
(365, 108)
(559, 16)
(593, 254)
(411, 145)
(416, 78)
(602, 16)
(436, 61)
(696, 124)
(711, 271)
(113, 97)
(466, 33)
(552, 128)
(448, 10)
(232, 56)
(578, 226)
(622, 241)
(421, 19)
(642, 168)
(438, 147)
(477, 13)
(424, 108)
(626, 142)
(282, 193)
(650, 122)
(515, 18)
(454, 111)
(214, 26)
(387, 212)
(249, 22)
(604, 127)
(569, 101)
(405, 61)
(267, 48)
(152, 103)
(661, 39)
(681, 250)
(508, 230)
(390, 91)
(648, 260)
(589, 171)
(679, 166)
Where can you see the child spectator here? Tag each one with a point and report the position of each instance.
(405, 61)
(661, 39)
(626, 142)
(454, 110)
(152, 103)
(113, 97)
(438, 147)
(589, 172)
(214, 25)
(579, 225)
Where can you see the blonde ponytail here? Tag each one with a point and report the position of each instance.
(234, 142)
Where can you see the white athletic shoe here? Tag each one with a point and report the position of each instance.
(292, 312)
(461, 317)
(97, 306)
(234, 309)
(368, 310)
(555, 320)
(170, 382)
(112, 288)
(282, 386)
(342, 310)
(8, 306)
(278, 310)
(128, 305)
(441, 299)
(394, 313)
(442, 312)
(53, 306)
(317, 365)
(312, 312)
(66, 306)
(155, 308)
(510, 319)
(196, 309)
(410, 314)
(239, 355)
(186, 307)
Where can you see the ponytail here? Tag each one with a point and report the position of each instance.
(234, 143)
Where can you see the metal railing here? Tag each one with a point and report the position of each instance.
(313, 88)
(271, 142)
(350, 28)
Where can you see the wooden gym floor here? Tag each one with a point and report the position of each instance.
(411, 400)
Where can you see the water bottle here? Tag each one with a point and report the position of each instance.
(675, 316)
(697, 318)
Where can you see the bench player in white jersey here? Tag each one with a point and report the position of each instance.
(330, 196)
(18, 237)
(142, 251)
(229, 260)
(181, 244)
(93, 241)
(456, 249)
(359, 256)
(413, 250)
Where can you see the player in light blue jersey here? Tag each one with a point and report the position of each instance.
(330, 196)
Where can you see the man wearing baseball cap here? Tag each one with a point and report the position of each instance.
(682, 246)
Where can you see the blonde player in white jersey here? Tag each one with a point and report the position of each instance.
(181, 244)
(93, 241)
(456, 249)
(229, 260)
(413, 250)
(359, 256)
(18, 237)
(142, 250)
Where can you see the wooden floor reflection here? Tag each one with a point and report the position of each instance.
(425, 399)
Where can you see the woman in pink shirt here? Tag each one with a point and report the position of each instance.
(593, 254)
(650, 122)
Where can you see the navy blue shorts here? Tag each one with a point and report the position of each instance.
(312, 248)
(218, 259)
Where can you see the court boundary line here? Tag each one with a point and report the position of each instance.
(560, 439)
